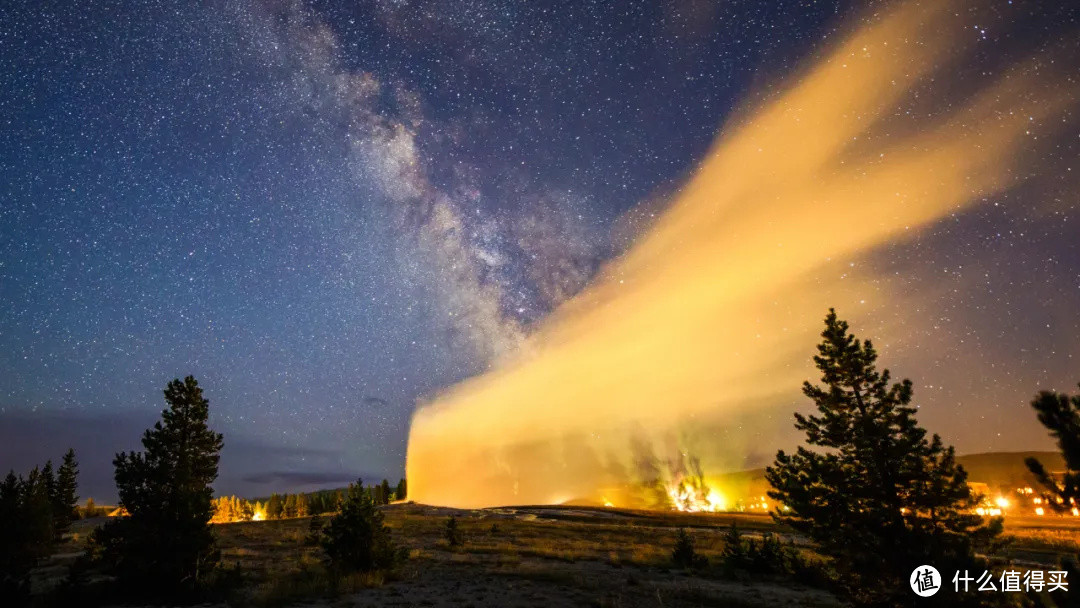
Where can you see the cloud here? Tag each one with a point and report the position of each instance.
(297, 479)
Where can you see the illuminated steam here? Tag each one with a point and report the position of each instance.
(708, 320)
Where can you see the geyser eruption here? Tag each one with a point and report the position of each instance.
(711, 316)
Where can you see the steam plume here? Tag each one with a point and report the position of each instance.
(713, 313)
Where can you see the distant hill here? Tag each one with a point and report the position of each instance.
(999, 470)
(1007, 469)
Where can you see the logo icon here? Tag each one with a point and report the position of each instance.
(925, 581)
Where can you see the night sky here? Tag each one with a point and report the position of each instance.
(327, 211)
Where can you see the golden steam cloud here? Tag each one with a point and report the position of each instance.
(712, 313)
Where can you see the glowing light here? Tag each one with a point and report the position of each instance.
(1039, 511)
(1075, 512)
(715, 501)
(608, 503)
(648, 345)
(685, 497)
(1002, 502)
(258, 515)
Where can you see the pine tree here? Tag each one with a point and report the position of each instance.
(65, 498)
(166, 544)
(453, 534)
(880, 498)
(274, 507)
(16, 557)
(684, 554)
(1060, 414)
(401, 493)
(36, 511)
(384, 491)
(246, 509)
(302, 506)
(315, 529)
(356, 538)
(290, 505)
(317, 503)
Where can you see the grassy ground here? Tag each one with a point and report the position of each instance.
(513, 557)
(532, 556)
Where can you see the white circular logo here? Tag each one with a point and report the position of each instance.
(925, 581)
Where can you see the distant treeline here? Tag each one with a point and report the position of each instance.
(36, 511)
(301, 504)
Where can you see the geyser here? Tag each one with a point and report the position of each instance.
(711, 315)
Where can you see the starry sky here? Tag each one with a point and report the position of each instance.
(328, 211)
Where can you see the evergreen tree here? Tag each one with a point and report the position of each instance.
(1060, 414)
(302, 506)
(36, 511)
(16, 556)
(166, 545)
(91, 508)
(48, 484)
(401, 493)
(735, 555)
(315, 529)
(684, 554)
(274, 508)
(246, 509)
(356, 540)
(64, 497)
(290, 505)
(453, 534)
(879, 498)
(384, 492)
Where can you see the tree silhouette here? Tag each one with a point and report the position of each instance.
(64, 496)
(1060, 414)
(684, 554)
(356, 538)
(35, 512)
(165, 545)
(274, 507)
(879, 498)
(453, 533)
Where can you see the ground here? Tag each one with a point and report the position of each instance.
(544, 556)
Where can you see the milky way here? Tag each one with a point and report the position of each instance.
(327, 211)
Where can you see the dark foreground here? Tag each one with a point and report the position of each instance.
(538, 556)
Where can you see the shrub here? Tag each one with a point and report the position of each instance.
(356, 540)
(769, 556)
(454, 536)
(684, 555)
(315, 531)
